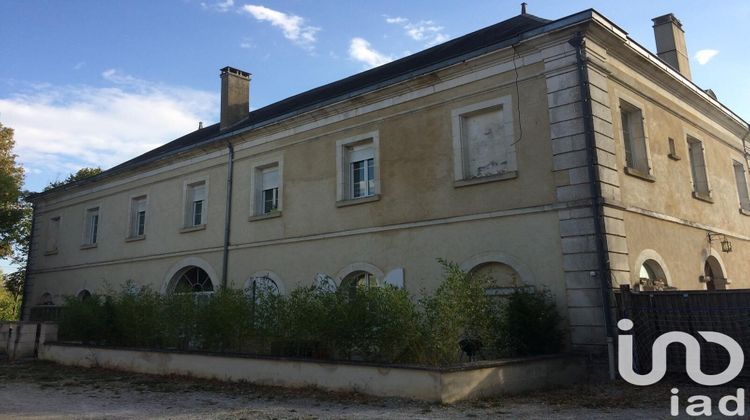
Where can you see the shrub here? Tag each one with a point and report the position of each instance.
(459, 310)
(381, 324)
(88, 321)
(528, 324)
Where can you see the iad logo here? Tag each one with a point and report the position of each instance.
(701, 404)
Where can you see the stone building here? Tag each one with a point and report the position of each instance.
(548, 153)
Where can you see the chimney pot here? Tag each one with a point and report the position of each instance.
(235, 96)
(670, 43)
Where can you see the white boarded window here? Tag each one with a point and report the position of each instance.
(741, 179)
(195, 210)
(698, 167)
(358, 167)
(138, 217)
(483, 140)
(269, 192)
(91, 226)
(634, 138)
(53, 233)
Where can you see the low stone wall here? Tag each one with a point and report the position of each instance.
(446, 385)
(18, 339)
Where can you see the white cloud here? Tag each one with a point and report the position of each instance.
(292, 26)
(704, 56)
(424, 31)
(398, 20)
(59, 129)
(79, 65)
(219, 6)
(360, 50)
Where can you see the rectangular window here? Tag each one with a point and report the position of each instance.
(53, 232)
(138, 217)
(673, 150)
(91, 234)
(634, 138)
(358, 169)
(698, 168)
(361, 170)
(483, 141)
(269, 192)
(739, 175)
(196, 204)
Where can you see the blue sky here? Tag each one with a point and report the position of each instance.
(87, 83)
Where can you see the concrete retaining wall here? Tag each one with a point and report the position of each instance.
(441, 385)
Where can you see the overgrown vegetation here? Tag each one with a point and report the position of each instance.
(379, 324)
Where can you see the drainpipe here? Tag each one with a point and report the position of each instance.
(228, 215)
(744, 148)
(604, 273)
(27, 274)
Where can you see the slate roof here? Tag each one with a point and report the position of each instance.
(450, 52)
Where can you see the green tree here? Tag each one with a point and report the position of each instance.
(82, 173)
(10, 295)
(12, 207)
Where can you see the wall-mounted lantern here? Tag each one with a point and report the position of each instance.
(726, 244)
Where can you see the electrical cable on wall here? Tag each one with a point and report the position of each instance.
(518, 100)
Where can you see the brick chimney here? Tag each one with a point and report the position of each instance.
(235, 96)
(670, 43)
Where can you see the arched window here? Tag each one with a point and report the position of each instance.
(193, 280)
(324, 283)
(358, 279)
(651, 275)
(46, 299)
(84, 295)
(503, 279)
(257, 286)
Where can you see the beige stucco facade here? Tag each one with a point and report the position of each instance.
(539, 220)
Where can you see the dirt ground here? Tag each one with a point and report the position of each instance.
(41, 390)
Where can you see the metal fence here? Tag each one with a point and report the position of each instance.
(45, 313)
(655, 313)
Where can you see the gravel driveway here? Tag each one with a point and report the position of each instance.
(41, 390)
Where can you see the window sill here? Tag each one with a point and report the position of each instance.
(355, 201)
(88, 246)
(674, 157)
(270, 215)
(485, 179)
(135, 238)
(639, 174)
(703, 197)
(746, 212)
(189, 229)
(51, 252)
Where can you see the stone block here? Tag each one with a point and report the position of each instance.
(575, 244)
(573, 192)
(581, 280)
(592, 317)
(569, 160)
(566, 128)
(565, 96)
(580, 262)
(584, 298)
(566, 112)
(568, 144)
(576, 227)
(562, 81)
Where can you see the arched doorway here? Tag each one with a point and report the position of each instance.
(713, 275)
